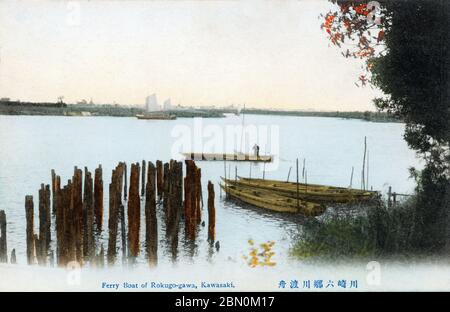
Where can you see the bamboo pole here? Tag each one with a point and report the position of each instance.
(363, 184)
(351, 178)
(298, 203)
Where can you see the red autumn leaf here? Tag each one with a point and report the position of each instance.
(380, 35)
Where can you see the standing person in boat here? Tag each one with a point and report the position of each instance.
(256, 150)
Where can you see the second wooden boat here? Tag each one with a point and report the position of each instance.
(313, 194)
(267, 200)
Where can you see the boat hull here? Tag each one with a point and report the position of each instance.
(320, 194)
(273, 202)
(227, 157)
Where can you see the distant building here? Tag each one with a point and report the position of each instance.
(151, 103)
(5, 99)
(167, 105)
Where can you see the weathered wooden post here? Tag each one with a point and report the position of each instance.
(53, 191)
(151, 223)
(123, 233)
(88, 207)
(3, 241)
(125, 179)
(159, 178)
(13, 257)
(69, 224)
(134, 206)
(113, 219)
(192, 189)
(77, 199)
(98, 197)
(211, 213)
(143, 178)
(59, 219)
(189, 199)
(29, 212)
(198, 194)
(44, 224)
(165, 192)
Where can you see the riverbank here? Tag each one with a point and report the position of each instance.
(115, 110)
(366, 115)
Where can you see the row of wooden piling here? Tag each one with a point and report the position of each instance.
(78, 212)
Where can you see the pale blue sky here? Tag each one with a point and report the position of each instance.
(262, 53)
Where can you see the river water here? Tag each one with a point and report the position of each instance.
(30, 146)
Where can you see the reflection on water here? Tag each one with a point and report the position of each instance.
(33, 145)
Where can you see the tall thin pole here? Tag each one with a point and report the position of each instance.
(367, 173)
(351, 178)
(298, 204)
(363, 185)
(242, 130)
(289, 173)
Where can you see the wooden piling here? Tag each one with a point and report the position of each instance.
(53, 174)
(98, 198)
(165, 187)
(151, 223)
(88, 215)
(125, 181)
(192, 186)
(3, 241)
(44, 224)
(211, 213)
(123, 233)
(134, 206)
(113, 219)
(159, 178)
(143, 178)
(13, 257)
(77, 191)
(29, 213)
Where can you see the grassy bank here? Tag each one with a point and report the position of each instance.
(368, 231)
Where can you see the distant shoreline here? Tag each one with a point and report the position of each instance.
(115, 110)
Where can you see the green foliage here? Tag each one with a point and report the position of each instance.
(410, 63)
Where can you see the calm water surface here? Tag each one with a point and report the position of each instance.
(30, 146)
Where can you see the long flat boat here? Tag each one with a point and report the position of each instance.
(156, 116)
(267, 200)
(319, 195)
(227, 157)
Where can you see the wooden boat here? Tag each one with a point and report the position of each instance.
(274, 202)
(293, 185)
(316, 193)
(156, 116)
(227, 157)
